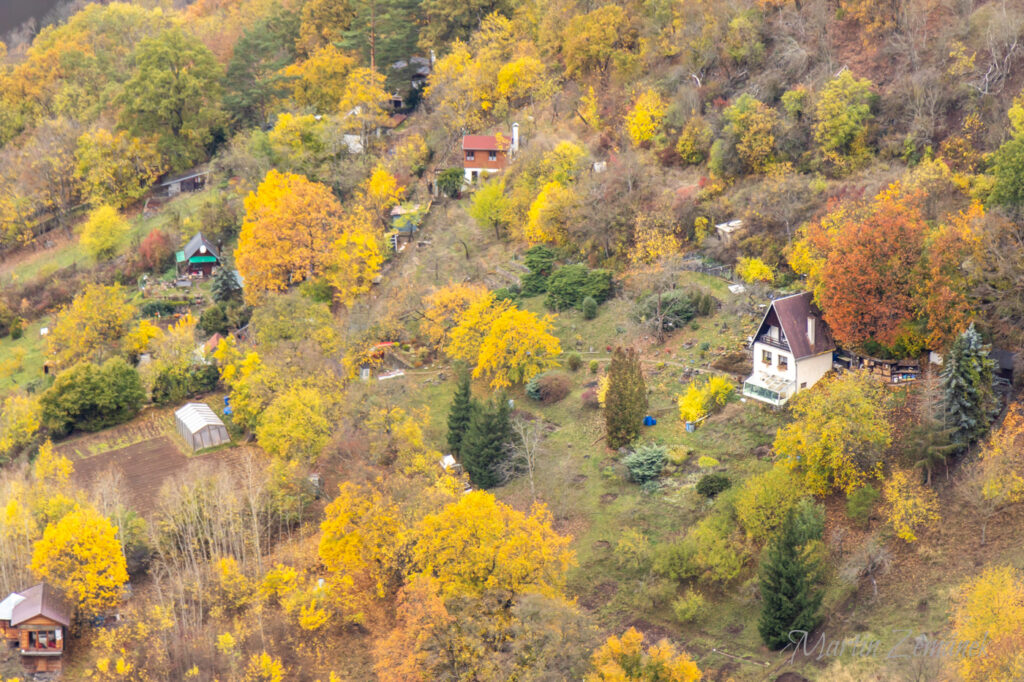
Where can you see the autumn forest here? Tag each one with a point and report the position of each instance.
(536, 340)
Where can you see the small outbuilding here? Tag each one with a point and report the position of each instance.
(37, 619)
(198, 258)
(200, 426)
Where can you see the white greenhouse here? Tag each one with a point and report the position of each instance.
(200, 426)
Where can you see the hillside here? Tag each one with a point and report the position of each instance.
(524, 340)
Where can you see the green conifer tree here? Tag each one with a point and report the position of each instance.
(225, 285)
(970, 400)
(789, 577)
(485, 444)
(460, 413)
(626, 401)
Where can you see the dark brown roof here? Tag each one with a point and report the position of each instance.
(485, 143)
(792, 313)
(41, 600)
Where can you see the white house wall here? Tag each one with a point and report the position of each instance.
(789, 374)
(810, 370)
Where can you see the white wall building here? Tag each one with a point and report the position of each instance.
(792, 350)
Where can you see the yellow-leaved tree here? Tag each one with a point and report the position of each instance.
(290, 225)
(319, 82)
(653, 239)
(838, 434)
(988, 616)
(362, 546)
(518, 346)
(624, 659)
(465, 339)
(116, 170)
(20, 419)
(445, 307)
(910, 506)
(92, 328)
(753, 270)
(645, 118)
(355, 257)
(80, 555)
(252, 383)
(103, 231)
(380, 193)
(547, 219)
(295, 425)
(363, 102)
(478, 544)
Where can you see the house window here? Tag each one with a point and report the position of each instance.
(492, 156)
(470, 156)
(766, 357)
(783, 362)
(803, 384)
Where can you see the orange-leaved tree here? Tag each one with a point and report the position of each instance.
(865, 268)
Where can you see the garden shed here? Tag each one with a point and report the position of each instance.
(200, 426)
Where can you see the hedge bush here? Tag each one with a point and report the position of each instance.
(646, 462)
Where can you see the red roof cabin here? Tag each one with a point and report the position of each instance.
(488, 153)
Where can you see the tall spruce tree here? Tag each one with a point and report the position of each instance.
(626, 400)
(970, 399)
(789, 578)
(460, 413)
(485, 444)
(225, 285)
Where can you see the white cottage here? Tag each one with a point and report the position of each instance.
(792, 350)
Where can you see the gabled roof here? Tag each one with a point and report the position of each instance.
(194, 247)
(8, 604)
(792, 313)
(197, 416)
(181, 177)
(41, 600)
(486, 143)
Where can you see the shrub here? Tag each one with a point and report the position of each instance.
(646, 462)
(594, 366)
(678, 456)
(765, 499)
(156, 251)
(705, 462)
(449, 182)
(92, 397)
(511, 293)
(689, 607)
(574, 361)
(711, 484)
(753, 270)
(174, 384)
(159, 308)
(589, 399)
(213, 320)
(860, 504)
(589, 308)
(571, 284)
(549, 387)
(17, 328)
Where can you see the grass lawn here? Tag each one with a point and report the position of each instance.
(21, 360)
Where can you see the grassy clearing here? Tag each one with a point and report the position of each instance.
(21, 360)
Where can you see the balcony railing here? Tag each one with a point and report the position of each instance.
(774, 343)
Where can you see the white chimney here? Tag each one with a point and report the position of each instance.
(515, 138)
(810, 329)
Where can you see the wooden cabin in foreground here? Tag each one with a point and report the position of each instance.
(36, 620)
